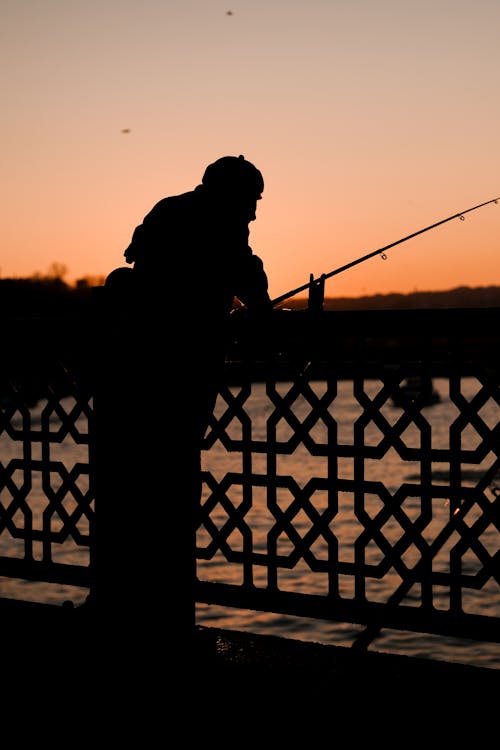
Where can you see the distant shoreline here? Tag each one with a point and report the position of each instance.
(464, 296)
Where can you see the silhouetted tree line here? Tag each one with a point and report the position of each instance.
(51, 296)
(47, 296)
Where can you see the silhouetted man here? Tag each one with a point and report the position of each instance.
(191, 260)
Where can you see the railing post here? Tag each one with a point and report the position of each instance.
(316, 297)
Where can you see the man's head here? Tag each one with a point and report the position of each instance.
(235, 180)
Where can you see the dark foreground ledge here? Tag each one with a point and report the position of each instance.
(287, 665)
(47, 640)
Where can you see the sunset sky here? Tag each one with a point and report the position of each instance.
(369, 119)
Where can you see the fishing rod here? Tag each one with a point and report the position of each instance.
(320, 280)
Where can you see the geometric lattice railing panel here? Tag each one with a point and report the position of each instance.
(331, 489)
(46, 498)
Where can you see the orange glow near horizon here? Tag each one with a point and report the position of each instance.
(368, 122)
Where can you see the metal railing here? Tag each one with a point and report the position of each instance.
(327, 493)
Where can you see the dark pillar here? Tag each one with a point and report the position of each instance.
(146, 487)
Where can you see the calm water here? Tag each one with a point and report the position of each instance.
(70, 448)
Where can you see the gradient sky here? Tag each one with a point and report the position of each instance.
(368, 119)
